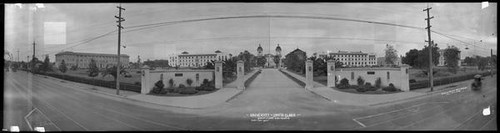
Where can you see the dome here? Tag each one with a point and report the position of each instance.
(259, 48)
(278, 48)
(218, 51)
(185, 52)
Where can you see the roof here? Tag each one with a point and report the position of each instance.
(183, 55)
(218, 51)
(278, 48)
(259, 48)
(91, 54)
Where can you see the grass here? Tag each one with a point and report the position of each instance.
(180, 95)
(293, 78)
(353, 90)
(136, 77)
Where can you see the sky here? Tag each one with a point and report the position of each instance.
(68, 27)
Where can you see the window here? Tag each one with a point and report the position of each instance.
(370, 73)
(352, 75)
(388, 76)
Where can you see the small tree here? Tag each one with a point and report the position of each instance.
(189, 81)
(361, 81)
(93, 69)
(452, 57)
(171, 82)
(62, 67)
(378, 82)
(391, 55)
(46, 64)
(344, 83)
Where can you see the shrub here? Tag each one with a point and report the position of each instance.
(182, 86)
(171, 82)
(361, 88)
(378, 82)
(413, 80)
(137, 83)
(390, 88)
(369, 87)
(157, 88)
(344, 83)
(188, 91)
(189, 81)
(361, 81)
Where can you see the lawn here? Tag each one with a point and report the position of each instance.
(136, 77)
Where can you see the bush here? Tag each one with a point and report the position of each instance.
(361, 88)
(188, 91)
(137, 83)
(171, 82)
(189, 81)
(344, 83)
(369, 87)
(413, 80)
(361, 81)
(182, 86)
(378, 82)
(390, 88)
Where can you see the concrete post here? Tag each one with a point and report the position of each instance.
(405, 76)
(218, 74)
(331, 73)
(309, 74)
(145, 86)
(240, 74)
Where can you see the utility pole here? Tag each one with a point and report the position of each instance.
(120, 20)
(17, 55)
(33, 57)
(430, 45)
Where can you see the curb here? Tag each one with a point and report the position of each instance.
(237, 94)
(319, 95)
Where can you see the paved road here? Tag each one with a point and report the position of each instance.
(271, 92)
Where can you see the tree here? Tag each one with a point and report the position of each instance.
(411, 57)
(261, 61)
(451, 57)
(422, 60)
(295, 60)
(62, 67)
(46, 65)
(481, 62)
(209, 65)
(469, 61)
(189, 81)
(391, 55)
(248, 59)
(276, 59)
(93, 69)
(112, 71)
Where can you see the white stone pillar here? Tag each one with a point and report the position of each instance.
(331, 73)
(240, 74)
(309, 74)
(218, 74)
(404, 79)
(145, 86)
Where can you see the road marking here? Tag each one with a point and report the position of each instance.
(48, 119)
(137, 118)
(487, 123)
(359, 122)
(52, 107)
(26, 119)
(385, 121)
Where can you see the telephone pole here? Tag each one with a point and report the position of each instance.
(33, 57)
(17, 55)
(430, 45)
(120, 20)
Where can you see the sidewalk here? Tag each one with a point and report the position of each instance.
(235, 84)
(303, 79)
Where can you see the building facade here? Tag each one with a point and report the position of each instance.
(82, 60)
(196, 60)
(357, 59)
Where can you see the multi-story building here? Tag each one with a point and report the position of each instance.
(196, 60)
(82, 60)
(352, 58)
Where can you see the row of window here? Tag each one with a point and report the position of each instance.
(349, 55)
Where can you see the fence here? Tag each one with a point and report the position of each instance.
(96, 82)
(446, 80)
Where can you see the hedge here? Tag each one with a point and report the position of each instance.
(294, 79)
(446, 80)
(96, 82)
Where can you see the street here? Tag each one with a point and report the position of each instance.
(271, 92)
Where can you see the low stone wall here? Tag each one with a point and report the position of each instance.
(397, 76)
(150, 77)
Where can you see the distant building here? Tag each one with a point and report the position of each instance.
(82, 60)
(353, 58)
(196, 60)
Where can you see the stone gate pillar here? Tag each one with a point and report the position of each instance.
(404, 79)
(309, 74)
(331, 73)
(145, 83)
(218, 74)
(240, 74)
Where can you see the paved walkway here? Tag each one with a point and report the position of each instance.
(302, 78)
